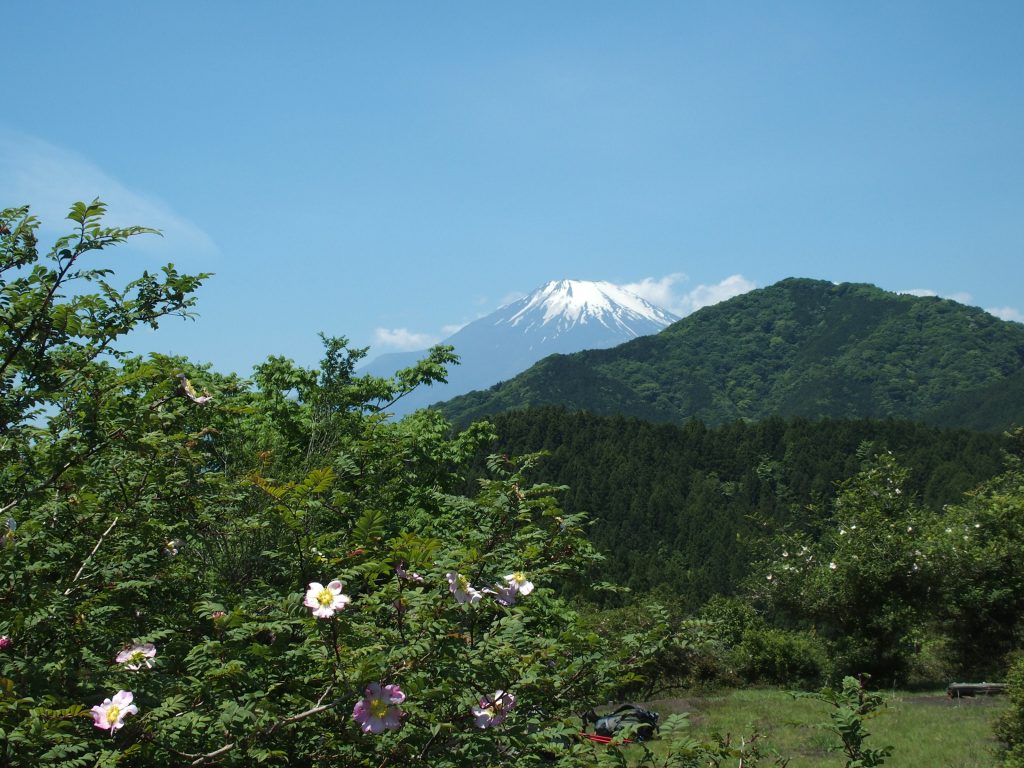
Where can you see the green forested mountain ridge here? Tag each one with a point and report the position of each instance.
(683, 508)
(800, 347)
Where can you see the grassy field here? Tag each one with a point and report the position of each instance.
(926, 730)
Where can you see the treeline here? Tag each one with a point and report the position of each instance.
(799, 348)
(683, 509)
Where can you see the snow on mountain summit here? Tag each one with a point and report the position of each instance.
(561, 317)
(567, 303)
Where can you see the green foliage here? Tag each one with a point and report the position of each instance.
(879, 577)
(977, 552)
(781, 657)
(659, 648)
(852, 705)
(861, 579)
(154, 502)
(798, 348)
(1010, 728)
(681, 510)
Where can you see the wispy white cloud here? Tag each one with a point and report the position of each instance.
(660, 291)
(50, 178)
(402, 339)
(667, 292)
(1007, 313)
(508, 298)
(961, 297)
(451, 328)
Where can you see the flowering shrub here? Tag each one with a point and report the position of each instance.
(877, 576)
(194, 513)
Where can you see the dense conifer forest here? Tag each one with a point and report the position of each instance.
(683, 509)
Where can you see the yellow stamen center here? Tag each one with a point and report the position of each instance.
(378, 708)
(326, 597)
(113, 711)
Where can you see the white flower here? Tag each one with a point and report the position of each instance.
(460, 587)
(324, 601)
(137, 656)
(832, 566)
(519, 583)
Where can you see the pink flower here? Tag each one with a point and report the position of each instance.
(378, 710)
(459, 586)
(493, 709)
(112, 712)
(326, 600)
(406, 575)
(5, 642)
(519, 583)
(133, 658)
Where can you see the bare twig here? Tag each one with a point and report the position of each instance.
(201, 758)
(87, 559)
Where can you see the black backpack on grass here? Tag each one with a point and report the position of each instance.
(646, 722)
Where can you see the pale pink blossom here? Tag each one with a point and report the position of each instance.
(324, 601)
(138, 655)
(378, 710)
(189, 391)
(406, 575)
(460, 587)
(504, 595)
(493, 709)
(112, 712)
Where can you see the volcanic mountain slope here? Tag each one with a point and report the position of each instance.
(561, 317)
(797, 348)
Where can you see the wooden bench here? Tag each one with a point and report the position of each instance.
(960, 690)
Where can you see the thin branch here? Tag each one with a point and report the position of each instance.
(87, 559)
(201, 758)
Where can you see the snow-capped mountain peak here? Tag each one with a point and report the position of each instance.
(563, 304)
(563, 316)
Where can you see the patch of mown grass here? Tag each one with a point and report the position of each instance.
(925, 730)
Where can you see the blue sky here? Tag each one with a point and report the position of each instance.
(387, 172)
